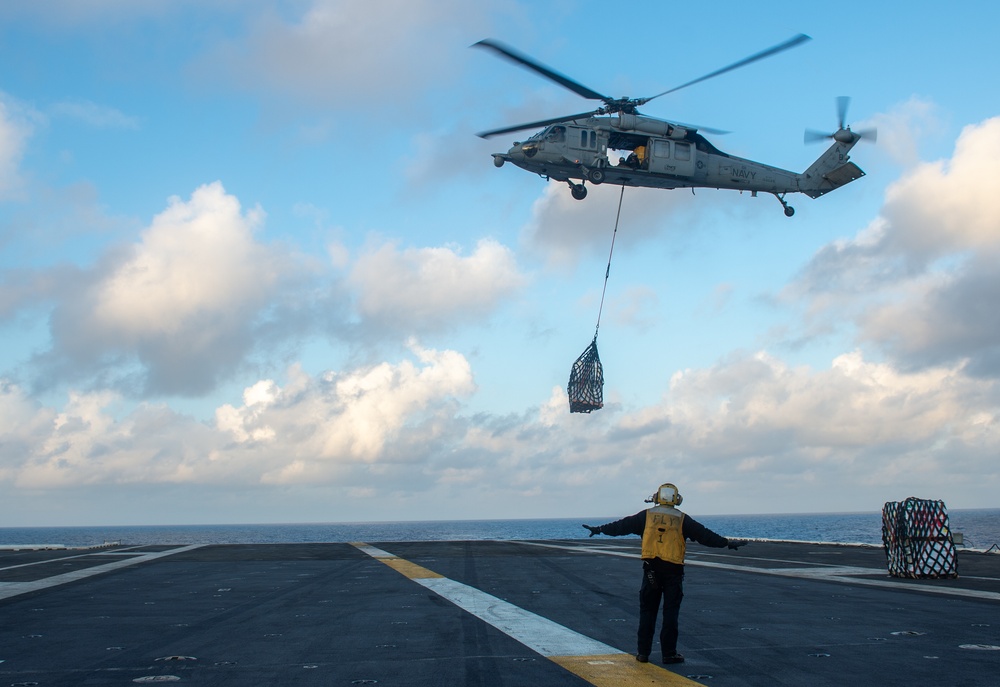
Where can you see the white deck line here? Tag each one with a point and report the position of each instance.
(537, 633)
(832, 573)
(48, 561)
(10, 589)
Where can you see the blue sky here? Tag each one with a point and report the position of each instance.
(255, 265)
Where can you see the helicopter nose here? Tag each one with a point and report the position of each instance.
(519, 151)
(529, 149)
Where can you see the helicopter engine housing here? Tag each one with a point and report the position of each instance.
(655, 127)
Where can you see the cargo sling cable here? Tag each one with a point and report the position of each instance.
(586, 380)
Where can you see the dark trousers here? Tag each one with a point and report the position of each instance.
(670, 588)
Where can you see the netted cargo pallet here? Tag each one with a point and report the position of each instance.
(586, 382)
(917, 538)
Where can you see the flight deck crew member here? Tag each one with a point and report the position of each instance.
(664, 530)
(640, 154)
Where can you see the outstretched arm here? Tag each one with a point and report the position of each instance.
(633, 524)
(695, 531)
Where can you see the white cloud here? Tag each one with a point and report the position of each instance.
(848, 437)
(421, 289)
(185, 306)
(101, 116)
(348, 53)
(562, 229)
(948, 206)
(310, 429)
(196, 258)
(15, 129)
(84, 444)
(935, 209)
(384, 413)
(902, 130)
(183, 301)
(945, 318)
(758, 406)
(918, 280)
(636, 307)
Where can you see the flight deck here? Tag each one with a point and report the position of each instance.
(545, 613)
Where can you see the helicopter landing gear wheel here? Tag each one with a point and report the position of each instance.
(596, 175)
(789, 210)
(578, 191)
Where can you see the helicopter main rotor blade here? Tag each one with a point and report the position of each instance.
(547, 72)
(790, 43)
(535, 125)
(706, 129)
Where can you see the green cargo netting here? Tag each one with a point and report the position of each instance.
(586, 382)
(917, 538)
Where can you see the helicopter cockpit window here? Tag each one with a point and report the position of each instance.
(557, 134)
(682, 151)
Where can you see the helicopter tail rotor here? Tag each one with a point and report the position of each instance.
(843, 134)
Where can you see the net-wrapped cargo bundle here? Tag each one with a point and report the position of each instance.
(586, 382)
(918, 540)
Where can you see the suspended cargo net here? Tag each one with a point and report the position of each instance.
(586, 382)
(917, 538)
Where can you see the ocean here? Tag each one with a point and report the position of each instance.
(981, 530)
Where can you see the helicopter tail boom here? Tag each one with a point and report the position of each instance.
(831, 170)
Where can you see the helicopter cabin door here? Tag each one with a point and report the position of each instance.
(672, 157)
(585, 143)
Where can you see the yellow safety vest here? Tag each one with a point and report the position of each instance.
(663, 536)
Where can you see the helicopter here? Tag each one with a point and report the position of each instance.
(661, 153)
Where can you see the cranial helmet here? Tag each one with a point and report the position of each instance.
(667, 495)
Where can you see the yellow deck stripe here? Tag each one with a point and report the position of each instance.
(411, 570)
(597, 663)
(620, 670)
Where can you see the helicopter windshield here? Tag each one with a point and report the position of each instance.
(555, 134)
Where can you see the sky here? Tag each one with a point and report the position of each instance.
(256, 266)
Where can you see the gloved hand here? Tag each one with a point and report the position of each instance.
(737, 543)
(593, 530)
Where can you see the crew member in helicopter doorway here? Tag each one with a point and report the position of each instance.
(664, 530)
